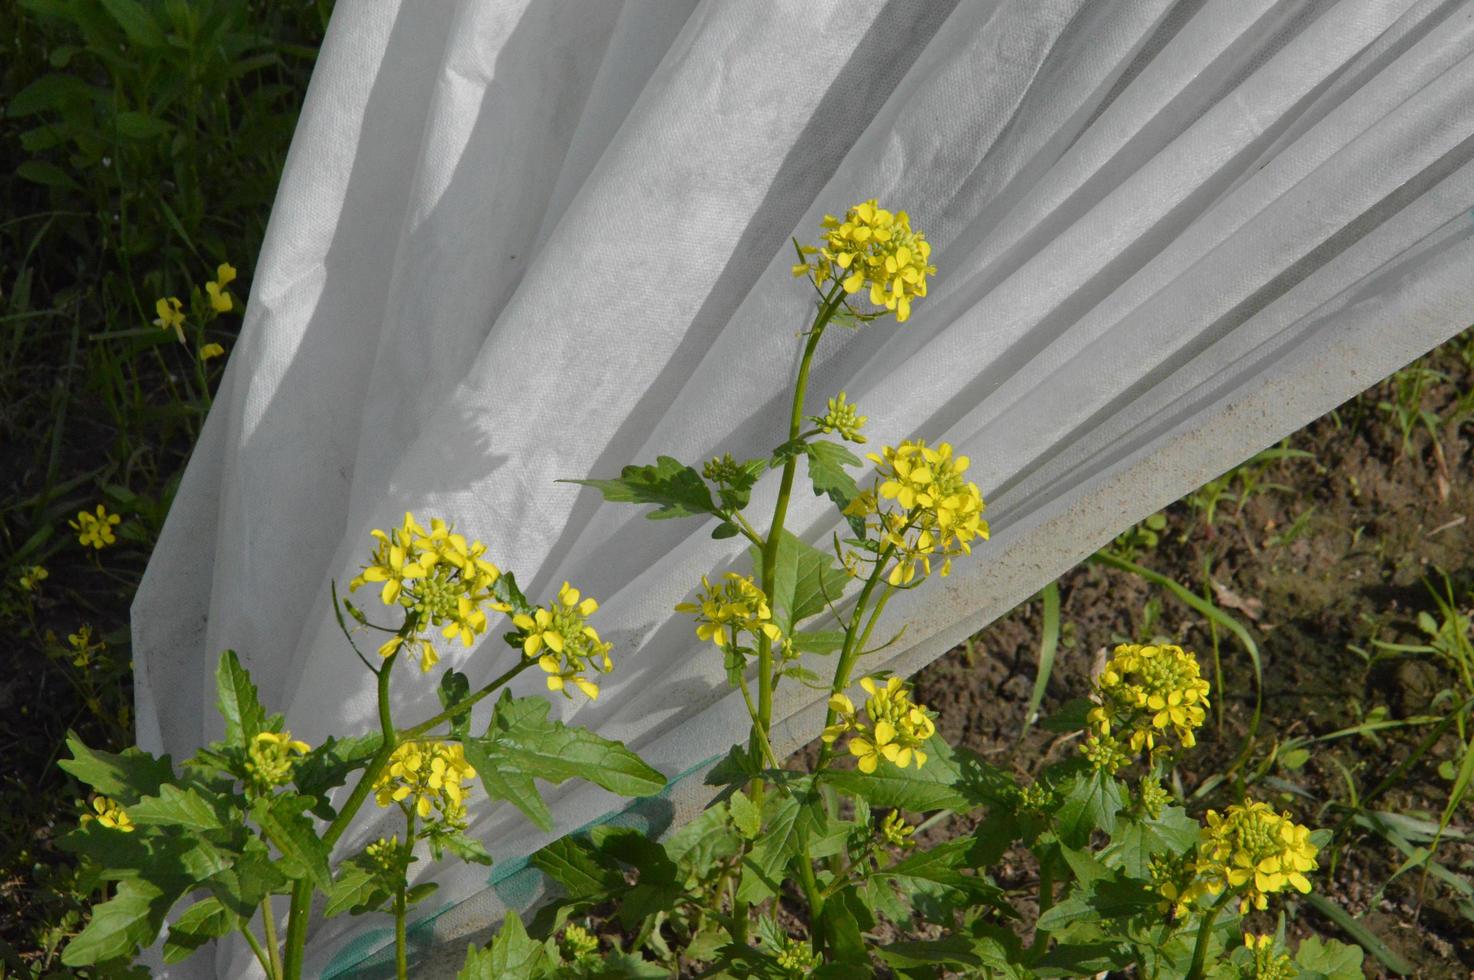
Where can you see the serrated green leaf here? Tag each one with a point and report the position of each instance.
(175, 807)
(657, 888)
(125, 777)
(293, 835)
(827, 462)
(805, 581)
(746, 817)
(948, 950)
(239, 704)
(582, 871)
(932, 787)
(511, 784)
(360, 887)
(130, 919)
(512, 955)
(468, 849)
(329, 765)
(677, 488)
(704, 841)
(1090, 801)
(522, 741)
(942, 865)
(1328, 960)
(201, 922)
(1135, 842)
(779, 843)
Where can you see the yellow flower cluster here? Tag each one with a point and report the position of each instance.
(723, 612)
(439, 578)
(217, 300)
(430, 776)
(109, 814)
(564, 643)
(384, 852)
(896, 729)
(95, 530)
(579, 944)
(1253, 849)
(796, 958)
(1269, 964)
(83, 646)
(171, 315)
(1145, 691)
(844, 418)
(896, 831)
(271, 758)
(936, 512)
(875, 247)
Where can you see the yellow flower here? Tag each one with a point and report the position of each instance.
(220, 300)
(1269, 964)
(896, 728)
(224, 274)
(171, 316)
(1146, 691)
(1253, 850)
(31, 579)
(110, 814)
(725, 611)
(427, 777)
(211, 350)
(95, 530)
(896, 831)
(82, 646)
(563, 642)
(875, 247)
(922, 507)
(440, 578)
(270, 759)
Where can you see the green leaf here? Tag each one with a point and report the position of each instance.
(136, 22)
(842, 924)
(238, 702)
(1358, 930)
(827, 462)
(658, 887)
(454, 688)
(512, 955)
(1328, 960)
(932, 787)
(130, 919)
(175, 807)
(746, 817)
(579, 868)
(677, 488)
(293, 835)
(942, 865)
(700, 844)
(818, 641)
(329, 765)
(521, 743)
(360, 887)
(47, 174)
(50, 93)
(764, 864)
(125, 777)
(468, 849)
(141, 126)
(1135, 842)
(1070, 717)
(201, 922)
(250, 877)
(948, 950)
(1089, 802)
(805, 581)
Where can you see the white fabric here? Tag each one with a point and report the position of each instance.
(520, 241)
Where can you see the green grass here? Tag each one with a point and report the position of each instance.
(144, 141)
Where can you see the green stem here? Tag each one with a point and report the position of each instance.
(401, 906)
(853, 643)
(268, 920)
(255, 945)
(811, 888)
(1200, 946)
(1046, 901)
(462, 706)
(756, 728)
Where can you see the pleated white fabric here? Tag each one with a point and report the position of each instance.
(521, 241)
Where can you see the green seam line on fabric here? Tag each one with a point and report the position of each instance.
(514, 875)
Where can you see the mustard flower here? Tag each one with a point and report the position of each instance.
(384, 853)
(31, 579)
(83, 647)
(441, 580)
(220, 300)
(428, 777)
(171, 316)
(894, 730)
(579, 944)
(564, 643)
(736, 606)
(1147, 691)
(922, 507)
(1269, 963)
(95, 530)
(842, 418)
(211, 350)
(871, 247)
(1251, 849)
(796, 958)
(109, 814)
(270, 759)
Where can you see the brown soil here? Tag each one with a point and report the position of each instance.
(1332, 557)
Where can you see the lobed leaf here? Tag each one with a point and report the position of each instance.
(677, 488)
(238, 702)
